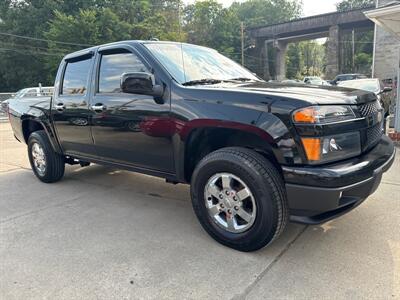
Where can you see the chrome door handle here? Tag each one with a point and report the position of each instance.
(98, 107)
(60, 106)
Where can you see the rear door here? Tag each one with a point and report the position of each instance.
(70, 106)
(131, 129)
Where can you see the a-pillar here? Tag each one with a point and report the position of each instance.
(332, 67)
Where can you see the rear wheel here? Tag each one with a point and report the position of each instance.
(239, 198)
(47, 165)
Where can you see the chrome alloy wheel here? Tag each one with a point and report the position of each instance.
(39, 158)
(230, 203)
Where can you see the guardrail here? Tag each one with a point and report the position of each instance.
(4, 96)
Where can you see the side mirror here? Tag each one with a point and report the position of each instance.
(386, 89)
(140, 83)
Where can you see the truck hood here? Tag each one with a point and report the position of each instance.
(313, 94)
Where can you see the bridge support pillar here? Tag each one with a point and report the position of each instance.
(262, 69)
(332, 67)
(280, 62)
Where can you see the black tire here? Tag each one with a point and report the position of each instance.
(266, 185)
(55, 165)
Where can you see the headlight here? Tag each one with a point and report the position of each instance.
(323, 114)
(331, 148)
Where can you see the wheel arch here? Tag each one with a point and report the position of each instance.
(30, 125)
(204, 140)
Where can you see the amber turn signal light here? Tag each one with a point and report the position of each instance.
(306, 115)
(312, 146)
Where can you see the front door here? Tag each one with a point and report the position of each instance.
(129, 128)
(70, 107)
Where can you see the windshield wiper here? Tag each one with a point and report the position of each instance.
(242, 79)
(202, 81)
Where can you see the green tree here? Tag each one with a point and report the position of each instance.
(25, 62)
(294, 61)
(305, 58)
(208, 23)
(200, 21)
(265, 12)
(22, 62)
(89, 26)
(346, 5)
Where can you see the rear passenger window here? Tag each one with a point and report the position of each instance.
(76, 77)
(113, 65)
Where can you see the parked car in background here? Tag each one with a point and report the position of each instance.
(373, 85)
(256, 154)
(315, 80)
(32, 92)
(346, 77)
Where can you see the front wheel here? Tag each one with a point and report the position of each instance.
(239, 198)
(46, 164)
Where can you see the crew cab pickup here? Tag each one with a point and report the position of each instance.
(256, 154)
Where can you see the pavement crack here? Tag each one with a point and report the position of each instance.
(248, 289)
(391, 183)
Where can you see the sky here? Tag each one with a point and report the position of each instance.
(310, 8)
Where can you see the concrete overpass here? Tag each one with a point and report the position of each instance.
(327, 25)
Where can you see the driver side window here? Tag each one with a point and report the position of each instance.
(113, 65)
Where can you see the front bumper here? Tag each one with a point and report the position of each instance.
(319, 194)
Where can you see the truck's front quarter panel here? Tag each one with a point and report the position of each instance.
(196, 109)
(318, 191)
(276, 122)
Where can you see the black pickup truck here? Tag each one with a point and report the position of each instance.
(256, 154)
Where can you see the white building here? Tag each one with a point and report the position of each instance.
(386, 65)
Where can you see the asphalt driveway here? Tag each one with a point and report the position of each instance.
(102, 233)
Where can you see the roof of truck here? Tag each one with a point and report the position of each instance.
(94, 48)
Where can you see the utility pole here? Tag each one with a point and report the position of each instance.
(179, 22)
(242, 39)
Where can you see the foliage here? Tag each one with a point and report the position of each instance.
(264, 12)
(346, 5)
(208, 23)
(361, 60)
(305, 58)
(26, 62)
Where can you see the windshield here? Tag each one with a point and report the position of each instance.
(188, 63)
(19, 93)
(366, 85)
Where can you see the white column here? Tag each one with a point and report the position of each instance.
(397, 115)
